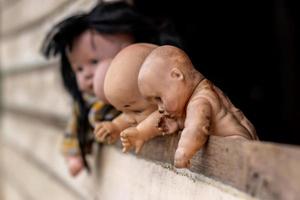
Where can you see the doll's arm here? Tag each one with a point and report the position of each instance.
(195, 132)
(110, 130)
(144, 131)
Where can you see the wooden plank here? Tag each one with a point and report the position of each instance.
(263, 170)
(273, 170)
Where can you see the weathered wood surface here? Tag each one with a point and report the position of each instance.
(264, 170)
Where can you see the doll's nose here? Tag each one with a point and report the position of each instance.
(88, 76)
(160, 109)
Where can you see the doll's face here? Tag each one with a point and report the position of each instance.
(159, 84)
(91, 50)
(98, 81)
(121, 86)
(136, 108)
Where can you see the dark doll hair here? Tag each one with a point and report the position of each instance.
(109, 18)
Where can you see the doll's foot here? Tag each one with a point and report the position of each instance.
(75, 165)
(181, 159)
(130, 138)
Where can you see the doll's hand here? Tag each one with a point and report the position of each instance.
(130, 138)
(181, 159)
(75, 165)
(167, 125)
(106, 131)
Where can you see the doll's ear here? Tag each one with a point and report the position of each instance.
(177, 74)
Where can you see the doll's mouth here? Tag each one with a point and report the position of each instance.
(91, 88)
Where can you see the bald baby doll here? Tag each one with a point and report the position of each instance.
(169, 79)
(139, 119)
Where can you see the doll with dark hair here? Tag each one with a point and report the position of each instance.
(87, 41)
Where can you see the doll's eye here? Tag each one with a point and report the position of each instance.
(137, 111)
(157, 99)
(79, 69)
(94, 61)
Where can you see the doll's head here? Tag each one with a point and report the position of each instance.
(120, 86)
(168, 78)
(98, 81)
(91, 50)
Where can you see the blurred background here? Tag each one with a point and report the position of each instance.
(247, 48)
(34, 105)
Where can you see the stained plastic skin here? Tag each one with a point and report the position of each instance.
(168, 78)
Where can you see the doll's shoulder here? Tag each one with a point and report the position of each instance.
(205, 93)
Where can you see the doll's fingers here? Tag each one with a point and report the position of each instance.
(113, 139)
(98, 126)
(124, 134)
(101, 131)
(125, 149)
(124, 139)
(109, 139)
(97, 138)
(104, 135)
(126, 144)
(99, 135)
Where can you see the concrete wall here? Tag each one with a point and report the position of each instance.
(35, 108)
